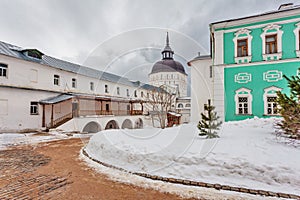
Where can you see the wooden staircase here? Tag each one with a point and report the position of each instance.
(59, 121)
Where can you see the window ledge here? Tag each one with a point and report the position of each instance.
(243, 59)
(273, 56)
(275, 115)
(244, 114)
(298, 53)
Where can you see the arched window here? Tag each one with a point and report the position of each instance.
(270, 97)
(180, 105)
(242, 43)
(243, 102)
(272, 42)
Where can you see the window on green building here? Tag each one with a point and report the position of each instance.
(272, 106)
(271, 44)
(243, 106)
(242, 48)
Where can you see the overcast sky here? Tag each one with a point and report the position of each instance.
(119, 36)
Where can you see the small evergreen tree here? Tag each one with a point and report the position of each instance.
(290, 108)
(209, 123)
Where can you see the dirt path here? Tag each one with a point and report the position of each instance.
(53, 171)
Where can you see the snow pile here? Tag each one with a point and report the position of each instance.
(247, 154)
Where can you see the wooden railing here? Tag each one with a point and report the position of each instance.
(110, 112)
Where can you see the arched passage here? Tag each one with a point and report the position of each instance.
(127, 124)
(92, 127)
(112, 124)
(139, 123)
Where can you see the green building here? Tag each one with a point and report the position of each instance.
(249, 57)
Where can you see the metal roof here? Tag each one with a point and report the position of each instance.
(18, 52)
(56, 99)
(294, 7)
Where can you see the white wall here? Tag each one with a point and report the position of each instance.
(201, 87)
(33, 75)
(18, 115)
(170, 78)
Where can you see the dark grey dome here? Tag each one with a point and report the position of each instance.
(167, 65)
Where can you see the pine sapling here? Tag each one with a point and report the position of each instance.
(209, 123)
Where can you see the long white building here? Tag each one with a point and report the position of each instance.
(38, 91)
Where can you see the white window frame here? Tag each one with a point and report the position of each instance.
(278, 32)
(56, 79)
(243, 59)
(180, 105)
(273, 90)
(34, 108)
(118, 90)
(74, 83)
(106, 88)
(92, 86)
(296, 32)
(3, 67)
(243, 92)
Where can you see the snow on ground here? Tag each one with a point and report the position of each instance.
(247, 154)
(14, 139)
(180, 190)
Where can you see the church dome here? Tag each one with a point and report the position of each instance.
(167, 64)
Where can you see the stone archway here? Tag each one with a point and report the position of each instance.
(112, 124)
(139, 123)
(92, 127)
(127, 124)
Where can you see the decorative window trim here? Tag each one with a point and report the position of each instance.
(239, 35)
(266, 32)
(242, 78)
(243, 92)
(297, 39)
(269, 92)
(272, 76)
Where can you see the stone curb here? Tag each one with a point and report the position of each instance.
(199, 184)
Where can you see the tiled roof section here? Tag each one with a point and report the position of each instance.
(15, 51)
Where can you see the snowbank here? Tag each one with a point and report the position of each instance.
(247, 154)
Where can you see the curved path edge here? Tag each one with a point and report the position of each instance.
(197, 183)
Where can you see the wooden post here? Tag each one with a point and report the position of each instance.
(142, 107)
(43, 119)
(52, 106)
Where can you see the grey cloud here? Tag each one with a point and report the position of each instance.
(117, 33)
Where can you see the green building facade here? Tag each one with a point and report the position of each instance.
(254, 53)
